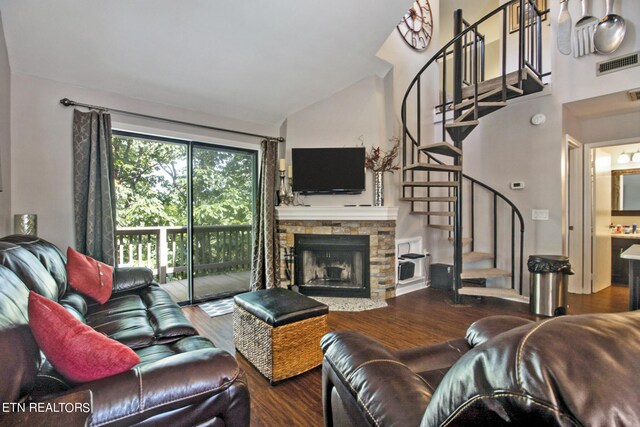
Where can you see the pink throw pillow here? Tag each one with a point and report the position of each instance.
(88, 276)
(76, 350)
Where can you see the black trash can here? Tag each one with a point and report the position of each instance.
(549, 284)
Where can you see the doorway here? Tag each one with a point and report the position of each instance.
(603, 246)
(185, 210)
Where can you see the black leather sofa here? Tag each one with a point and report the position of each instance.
(564, 371)
(182, 380)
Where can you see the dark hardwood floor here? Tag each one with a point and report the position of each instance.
(423, 317)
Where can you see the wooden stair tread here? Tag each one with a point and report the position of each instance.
(465, 240)
(434, 213)
(443, 148)
(428, 199)
(504, 293)
(458, 131)
(434, 167)
(430, 184)
(441, 226)
(483, 273)
(476, 256)
(515, 91)
(484, 108)
(462, 124)
(531, 83)
(470, 104)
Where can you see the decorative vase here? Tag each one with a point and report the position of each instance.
(25, 224)
(378, 189)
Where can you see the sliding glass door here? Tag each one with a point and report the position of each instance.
(222, 182)
(185, 210)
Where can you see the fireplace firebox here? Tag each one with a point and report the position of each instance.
(332, 265)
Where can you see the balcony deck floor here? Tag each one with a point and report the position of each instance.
(209, 286)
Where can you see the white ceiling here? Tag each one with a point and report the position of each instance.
(256, 60)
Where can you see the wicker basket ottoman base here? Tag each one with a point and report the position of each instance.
(278, 331)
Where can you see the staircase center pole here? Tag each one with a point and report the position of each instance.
(458, 25)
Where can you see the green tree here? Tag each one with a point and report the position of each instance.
(222, 187)
(151, 184)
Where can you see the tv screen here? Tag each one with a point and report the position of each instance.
(328, 170)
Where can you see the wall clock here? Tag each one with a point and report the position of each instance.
(416, 25)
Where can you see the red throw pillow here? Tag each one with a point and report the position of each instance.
(88, 276)
(76, 350)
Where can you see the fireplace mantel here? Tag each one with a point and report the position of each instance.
(337, 213)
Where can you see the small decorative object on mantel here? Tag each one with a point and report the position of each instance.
(380, 161)
(285, 193)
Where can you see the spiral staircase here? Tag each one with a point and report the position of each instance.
(433, 181)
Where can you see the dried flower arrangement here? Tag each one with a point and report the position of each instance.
(379, 160)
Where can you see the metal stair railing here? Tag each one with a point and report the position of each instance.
(529, 55)
(515, 214)
(467, 48)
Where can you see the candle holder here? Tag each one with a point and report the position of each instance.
(282, 192)
(290, 196)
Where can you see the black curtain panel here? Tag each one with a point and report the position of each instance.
(94, 200)
(265, 260)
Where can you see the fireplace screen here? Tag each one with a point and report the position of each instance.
(332, 265)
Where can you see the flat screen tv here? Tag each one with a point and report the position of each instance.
(328, 170)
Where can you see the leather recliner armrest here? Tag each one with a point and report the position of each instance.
(486, 328)
(129, 278)
(187, 380)
(386, 390)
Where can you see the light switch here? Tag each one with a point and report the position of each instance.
(540, 214)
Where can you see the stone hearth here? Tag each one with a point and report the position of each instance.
(379, 223)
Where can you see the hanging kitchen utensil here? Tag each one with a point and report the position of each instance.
(584, 30)
(609, 32)
(564, 28)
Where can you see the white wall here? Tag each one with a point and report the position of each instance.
(371, 109)
(472, 11)
(611, 128)
(41, 177)
(575, 78)
(5, 138)
(507, 148)
(347, 119)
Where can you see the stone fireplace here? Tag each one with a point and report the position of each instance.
(333, 265)
(337, 269)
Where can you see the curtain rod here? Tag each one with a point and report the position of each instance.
(69, 103)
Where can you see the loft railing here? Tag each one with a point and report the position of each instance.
(470, 45)
(216, 249)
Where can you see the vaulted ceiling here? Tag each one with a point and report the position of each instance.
(257, 60)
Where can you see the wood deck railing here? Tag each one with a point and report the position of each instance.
(216, 249)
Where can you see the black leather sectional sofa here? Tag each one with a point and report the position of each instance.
(182, 380)
(564, 371)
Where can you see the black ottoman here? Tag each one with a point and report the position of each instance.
(279, 331)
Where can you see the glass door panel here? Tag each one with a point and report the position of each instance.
(223, 182)
(151, 208)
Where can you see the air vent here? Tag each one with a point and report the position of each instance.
(617, 64)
